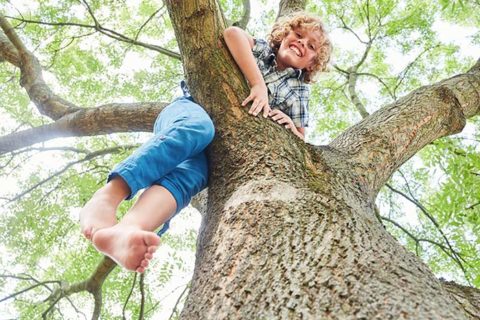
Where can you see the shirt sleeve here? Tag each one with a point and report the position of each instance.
(261, 49)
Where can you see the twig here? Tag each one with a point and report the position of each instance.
(129, 295)
(456, 257)
(392, 95)
(27, 289)
(418, 240)
(91, 13)
(174, 310)
(351, 30)
(108, 32)
(45, 313)
(88, 157)
(142, 296)
(403, 74)
(472, 206)
(146, 22)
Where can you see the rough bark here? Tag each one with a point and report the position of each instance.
(288, 6)
(290, 230)
(467, 297)
(382, 142)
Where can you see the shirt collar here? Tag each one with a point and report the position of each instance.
(297, 73)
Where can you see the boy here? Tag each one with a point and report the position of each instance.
(278, 73)
(172, 165)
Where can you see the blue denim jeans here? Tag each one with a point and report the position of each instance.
(174, 157)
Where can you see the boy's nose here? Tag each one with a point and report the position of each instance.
(301, 41)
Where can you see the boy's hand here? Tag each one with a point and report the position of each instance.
(259, 96)
(283, 119)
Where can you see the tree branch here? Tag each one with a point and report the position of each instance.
(98, 302)
(52, 305)
(346, 27)
(32, 80)
(129, 295)
(8, 52)
(109, 118)
(93, 285)
(289, 6)
(447, 251)
(88, 157)
(89, 9)
(146, 22)
(354, 98)
(28, 289)
(403, 74)
(383, 83)
(142, 296)
(109, 33)
(467, 297)
(174, 310)
(382, 142)
(243, 22)
(351, 72)
(455, 256)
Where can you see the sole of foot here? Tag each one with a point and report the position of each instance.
(129, 247)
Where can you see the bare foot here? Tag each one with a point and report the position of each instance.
(98, 213)
(130, 247)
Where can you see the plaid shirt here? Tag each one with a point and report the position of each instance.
(287, 91)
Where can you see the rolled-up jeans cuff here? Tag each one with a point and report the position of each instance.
(129, 180)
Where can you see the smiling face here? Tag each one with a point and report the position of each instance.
(298, 49)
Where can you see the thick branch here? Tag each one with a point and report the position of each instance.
(467, 297)
(382, 142)
(110, 118)
(352, 90)
(242, 23)
(32, 80)
(8, 51)
(290, 6)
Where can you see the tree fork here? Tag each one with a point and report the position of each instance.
(290, 230)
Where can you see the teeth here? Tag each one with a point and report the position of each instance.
(296, 50)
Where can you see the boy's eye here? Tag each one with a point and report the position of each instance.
(298, 34)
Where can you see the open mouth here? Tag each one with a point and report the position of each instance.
(296, 50)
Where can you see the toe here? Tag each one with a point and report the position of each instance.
(87, 233)
(148, 256)
(151, 249)
(144, 264)
(151, 239)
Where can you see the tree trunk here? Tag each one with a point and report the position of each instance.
(290, 230)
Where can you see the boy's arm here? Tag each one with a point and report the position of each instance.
(240, 45)
(283, 119)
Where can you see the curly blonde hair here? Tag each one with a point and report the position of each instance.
(303, 20)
